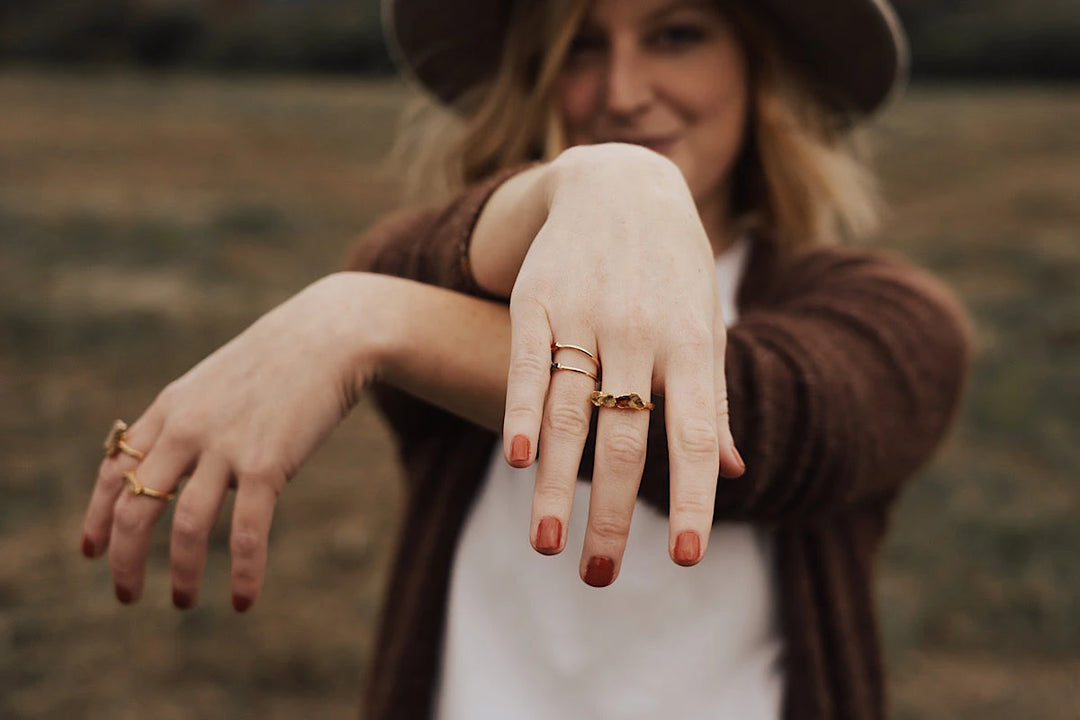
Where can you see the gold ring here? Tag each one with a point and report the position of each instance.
(559, 346)
(116, 442)
(560, 366)
(137, 488)
(632, 401)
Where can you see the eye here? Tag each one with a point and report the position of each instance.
(584, 43)
(677, 36)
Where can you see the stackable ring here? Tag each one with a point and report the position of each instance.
(560, 366)
(116, 442)
(565, 346)
(137, 488)
(633, 401)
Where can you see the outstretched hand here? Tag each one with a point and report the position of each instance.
(622, 269)
(247, 416)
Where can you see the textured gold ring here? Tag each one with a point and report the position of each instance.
(633, 401)
(560, 366)
(561, 346)
(116, 442)
(137, 488)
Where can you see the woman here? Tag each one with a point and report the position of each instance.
(638, 175)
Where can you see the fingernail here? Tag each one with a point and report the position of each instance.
(687, 548)
(519, 449)
(548, 536)
(181, 600)
(124, 595)
(742, 465)
(240, 603)
(600, 571)
(87, 547)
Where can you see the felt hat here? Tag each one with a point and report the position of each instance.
(854, 50)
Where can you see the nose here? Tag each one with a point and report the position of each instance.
(627, 90)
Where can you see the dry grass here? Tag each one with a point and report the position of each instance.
(145, 221)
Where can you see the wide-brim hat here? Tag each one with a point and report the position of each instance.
(854, 50)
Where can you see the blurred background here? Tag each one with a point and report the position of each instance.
(169, 170)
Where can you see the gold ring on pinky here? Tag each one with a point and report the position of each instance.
(560, 346)
(560, 366)
(116, 442)
(137, 488)
(632, 401)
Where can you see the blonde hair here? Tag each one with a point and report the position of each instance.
(801, 177)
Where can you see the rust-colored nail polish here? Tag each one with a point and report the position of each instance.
(687, 548)
(181, 600)
(240, 603)
(600, 571)
(87, 547)
(548, 536)
(124, 595)
(519, 449)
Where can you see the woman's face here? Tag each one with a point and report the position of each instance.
(666, 74)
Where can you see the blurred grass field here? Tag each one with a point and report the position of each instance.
(145, 220)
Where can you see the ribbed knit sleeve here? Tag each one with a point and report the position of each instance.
(841, 381)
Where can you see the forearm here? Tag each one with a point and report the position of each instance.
(443, 347)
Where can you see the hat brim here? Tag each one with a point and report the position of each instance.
(854, 50)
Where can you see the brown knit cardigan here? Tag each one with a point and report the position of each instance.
(844, 371)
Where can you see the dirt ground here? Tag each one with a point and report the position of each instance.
(145, 220)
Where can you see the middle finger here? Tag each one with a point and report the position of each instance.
(134, 517)
(621, 438)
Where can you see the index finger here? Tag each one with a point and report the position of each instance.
(527, 380)
(97, 524)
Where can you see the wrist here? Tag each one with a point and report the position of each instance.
(365, 324)
(591, 170)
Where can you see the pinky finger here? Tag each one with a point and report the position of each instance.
(253, 512)
(527, 381)
(731, 463)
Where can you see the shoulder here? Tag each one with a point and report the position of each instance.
(871, 293)
(853, 272)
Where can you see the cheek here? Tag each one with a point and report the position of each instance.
(576, 98)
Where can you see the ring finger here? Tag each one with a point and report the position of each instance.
(565, 426)
(196, 511)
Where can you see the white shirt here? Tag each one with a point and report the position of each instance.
(526, 638)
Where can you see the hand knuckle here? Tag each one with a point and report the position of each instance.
(552, 494)
(531, 365)
(693, 501)
(696, 440)
(638, 322)
(246, 545)
(624, 447)
(608, 526)
(522, 415)
(566, 420)
(109, 478)
(130, 521)
(188, 531)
